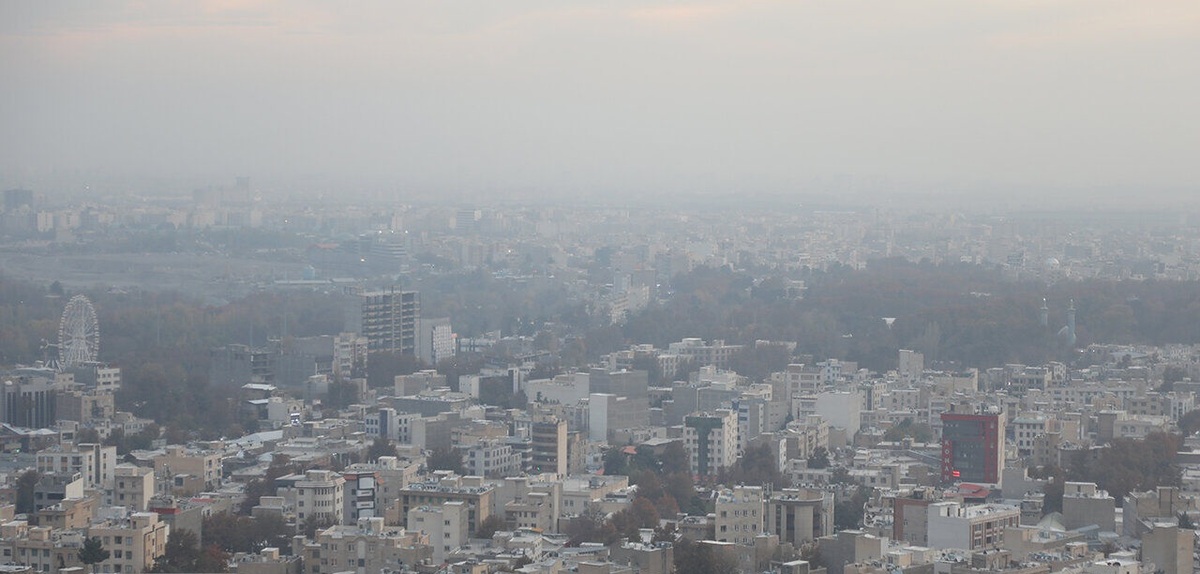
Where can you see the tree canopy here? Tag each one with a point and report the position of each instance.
(1129, 465)
(93, 551)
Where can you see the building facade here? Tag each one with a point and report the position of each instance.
(798, 516)
(972, 447)
(740, 514)
(389, 320)
(711, 441)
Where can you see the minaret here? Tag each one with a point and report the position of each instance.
(1071, 324)
(1044, 318)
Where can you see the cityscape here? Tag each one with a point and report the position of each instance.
(322, 376)
(658, 288)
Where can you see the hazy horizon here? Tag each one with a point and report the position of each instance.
(964, 99)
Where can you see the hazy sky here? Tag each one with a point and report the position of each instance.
(609, 96)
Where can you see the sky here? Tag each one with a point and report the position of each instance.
(956, 96)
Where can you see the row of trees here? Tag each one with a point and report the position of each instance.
(224, 535)
(1123, 466)
(953, 312)
(664, 488)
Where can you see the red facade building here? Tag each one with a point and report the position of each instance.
(972, 447)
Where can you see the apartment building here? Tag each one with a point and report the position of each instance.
(133, 487)
(204, 465)
(798, 516)
(94, 462)
(711, 440)
(445, 524)
(446, 487)
(740, 514)
(134, 543)
(364, 548)
(317, 495)
(978, 527)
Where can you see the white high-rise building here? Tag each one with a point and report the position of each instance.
(349, 356)
(711, 441)
(435, 340)
(388, 320)
(445, 524)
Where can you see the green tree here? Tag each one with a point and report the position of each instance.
(26, 483)
(758, 361)
(380, 447)
(649, 363)
(1189, 423)
(490, 525)
(265, 486)
(1127, 465)
(184, 554)
(87, 436)
(233, 533)
(758, 466)
(93, 552)
(590, 526)
(680, 487)
(819, 458)
(616, 462)
(841, 475)
(675, 457)
(919, 432)
(695, 558)
(445, 459)
(848, 514)
(312, 525)
(811, 553)
(1171, 374)
(341, 394)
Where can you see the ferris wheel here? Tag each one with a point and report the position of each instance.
(78, 334)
